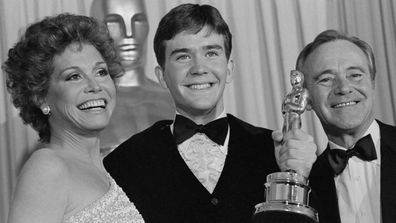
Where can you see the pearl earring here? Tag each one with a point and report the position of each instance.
(46, 110)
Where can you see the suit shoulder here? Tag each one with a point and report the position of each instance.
(247, 127)
(151, 131)
(388, 134)
(386, 127)
(138, 141)
(252, 138)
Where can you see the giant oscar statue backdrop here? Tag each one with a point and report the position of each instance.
(140, 101)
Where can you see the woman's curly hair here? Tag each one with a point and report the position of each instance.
(30, 62)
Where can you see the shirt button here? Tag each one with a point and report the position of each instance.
(214, 201)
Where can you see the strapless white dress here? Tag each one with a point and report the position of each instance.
(114, 207)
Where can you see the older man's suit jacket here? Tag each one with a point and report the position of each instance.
(323, 186)
(149, 168)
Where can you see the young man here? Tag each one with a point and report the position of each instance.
(206, 166)
(354, 177)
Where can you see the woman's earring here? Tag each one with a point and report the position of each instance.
(46, 110)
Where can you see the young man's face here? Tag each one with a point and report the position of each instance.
(338, 78)
(195, 72)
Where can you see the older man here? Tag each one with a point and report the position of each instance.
(354, 177)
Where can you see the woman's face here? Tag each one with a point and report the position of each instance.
(81, 92)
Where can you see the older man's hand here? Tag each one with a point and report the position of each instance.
(296, 150)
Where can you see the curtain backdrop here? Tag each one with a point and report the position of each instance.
(268, 35)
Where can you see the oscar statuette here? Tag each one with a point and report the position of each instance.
(287, 193)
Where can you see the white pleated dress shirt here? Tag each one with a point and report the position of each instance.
(204, 157)
(358, 186)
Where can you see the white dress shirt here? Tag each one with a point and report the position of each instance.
(204, 157)
(358, 186)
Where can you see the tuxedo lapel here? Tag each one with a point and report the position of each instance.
(242, 151)
(388, 172)
(322, 182)
(323, 189)
(238, 141)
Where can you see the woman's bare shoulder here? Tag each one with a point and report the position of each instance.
(41, 191)
(46, 164)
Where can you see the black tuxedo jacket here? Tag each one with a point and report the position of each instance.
(323, 186)
(149, 168)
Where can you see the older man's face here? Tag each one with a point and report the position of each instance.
(338, 78)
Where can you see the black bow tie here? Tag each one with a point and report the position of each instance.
(185, 128)
(364, 149)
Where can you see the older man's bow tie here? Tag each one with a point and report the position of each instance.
(185, 128)
(363, 149)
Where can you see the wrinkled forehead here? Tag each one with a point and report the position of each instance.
(125, 8)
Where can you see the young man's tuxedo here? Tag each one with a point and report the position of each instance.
(149, 168)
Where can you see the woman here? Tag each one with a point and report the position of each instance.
(60, 75)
